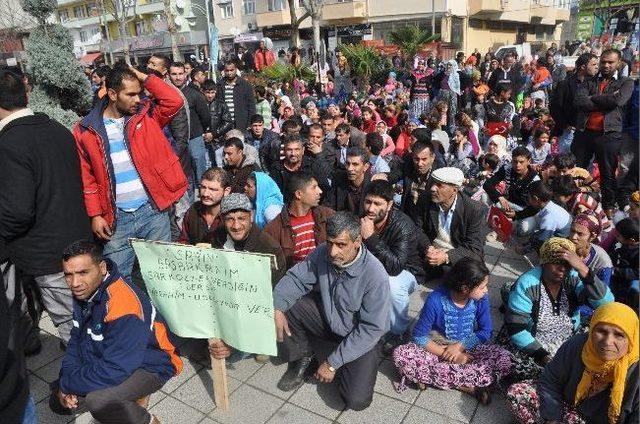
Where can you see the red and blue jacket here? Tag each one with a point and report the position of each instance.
(116, 332)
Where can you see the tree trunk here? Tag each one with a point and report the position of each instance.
(294, 38)
(122, 26)
(173, 33)
(315, 22)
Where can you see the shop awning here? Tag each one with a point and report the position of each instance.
(89, 58)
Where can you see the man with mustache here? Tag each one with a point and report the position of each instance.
(203, 217)
(392, 238)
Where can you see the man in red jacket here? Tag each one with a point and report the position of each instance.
(130, 174)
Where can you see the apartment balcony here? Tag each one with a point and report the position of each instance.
(355, 10)
(542, 12)
(274, 18)
(485, 6)
(562, 14)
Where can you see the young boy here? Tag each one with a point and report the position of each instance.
(552, 220)
(624, 281)
(262, 106)
(565, 164)
(517, 178)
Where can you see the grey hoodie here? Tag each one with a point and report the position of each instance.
(355, 300)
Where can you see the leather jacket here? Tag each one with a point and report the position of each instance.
(221, 120)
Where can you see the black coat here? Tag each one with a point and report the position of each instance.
(337, 197)
(14, 389)
(41, 202)
(281, 175)
(221, 120)
(244, 102)
(199, 114)
(467, 228)
(398, 246)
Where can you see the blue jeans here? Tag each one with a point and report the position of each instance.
(401, 286)
(145, 223)
(30, 416)
(198, 156)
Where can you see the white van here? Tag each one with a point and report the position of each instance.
(521, 50)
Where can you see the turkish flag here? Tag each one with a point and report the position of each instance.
(499, 223)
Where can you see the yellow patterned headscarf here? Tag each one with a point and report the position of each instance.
(615, 372)
(551, 249)
(635, 197)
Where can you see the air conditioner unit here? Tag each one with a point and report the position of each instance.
(252, 26)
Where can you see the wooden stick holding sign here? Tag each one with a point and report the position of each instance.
(214, 294)
(218, 369)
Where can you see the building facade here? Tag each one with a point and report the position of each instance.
(466, 25)
(95, 30)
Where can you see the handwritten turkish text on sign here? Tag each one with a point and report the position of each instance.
(211, 293)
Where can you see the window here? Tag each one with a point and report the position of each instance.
(276, 5)
(91, 9)
(95, 31)
(141, 27)
(64, 15)
(83, 36)
(79, 12)
(249, 7)
(226, 10)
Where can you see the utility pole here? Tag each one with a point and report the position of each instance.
(433, 17)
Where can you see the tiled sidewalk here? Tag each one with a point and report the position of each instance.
(255, 398)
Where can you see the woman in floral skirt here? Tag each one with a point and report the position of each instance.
(450, 348)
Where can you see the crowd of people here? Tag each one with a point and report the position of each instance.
(360, 195)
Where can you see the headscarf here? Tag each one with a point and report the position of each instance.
(454, 78)
(615, 372)
(590, 222)
(501, 142)
(267, 194)
(552, 248)
(635, 197)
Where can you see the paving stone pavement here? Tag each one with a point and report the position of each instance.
(255, 398)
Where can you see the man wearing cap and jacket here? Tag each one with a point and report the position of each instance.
(239, 233)
(452, 222)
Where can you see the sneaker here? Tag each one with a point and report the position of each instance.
(294, 376)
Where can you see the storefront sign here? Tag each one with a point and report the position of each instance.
(148, 41)
(358, 30)
(248, 37)
(284, 33)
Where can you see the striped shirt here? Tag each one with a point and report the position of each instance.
(305, 238)
(228, 99)
(130, 193)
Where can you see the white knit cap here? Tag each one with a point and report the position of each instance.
(449, 175)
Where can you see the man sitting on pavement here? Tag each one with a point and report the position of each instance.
(347, 187)
(338, 294)
(259, 137)
(517, 177)
(452, 222)
(239, 233)
(302, 226)
(394, 239)
(296, 162)
(119, 352)
(203, 217)
(237, 165)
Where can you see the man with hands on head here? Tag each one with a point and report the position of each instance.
(130, 174)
